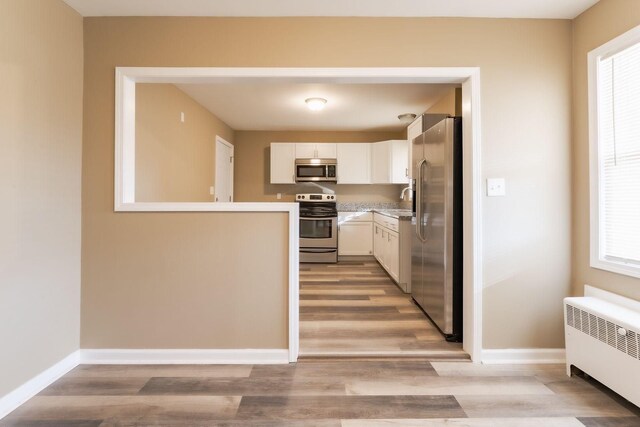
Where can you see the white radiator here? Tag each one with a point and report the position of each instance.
(602, 334)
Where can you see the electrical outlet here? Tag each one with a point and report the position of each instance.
(496, 187)
(211, 191)
(182, 116)
(278, 196)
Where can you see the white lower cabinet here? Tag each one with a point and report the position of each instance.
(392, 248)
(378, 246)
(387, 238)
(355, 233)
(392, 255)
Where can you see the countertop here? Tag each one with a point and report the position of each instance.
(387, 209)
(401, 214)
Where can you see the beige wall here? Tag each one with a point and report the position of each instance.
(186, 280)
(252, 168)
(603, 22)
(526, 129)
(175, 160)
(40, 146)
(451, 103)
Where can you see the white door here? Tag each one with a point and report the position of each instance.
(224, 171)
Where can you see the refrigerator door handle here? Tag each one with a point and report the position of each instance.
(419, 202)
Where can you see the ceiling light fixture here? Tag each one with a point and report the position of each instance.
(407, 117)
(315, 104)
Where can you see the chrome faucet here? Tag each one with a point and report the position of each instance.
(404, 191)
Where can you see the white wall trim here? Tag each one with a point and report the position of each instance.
(183, 356)
(35, 385)
(523, 356)
(469, 77)
(472, 216)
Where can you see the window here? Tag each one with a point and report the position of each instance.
(615, 154)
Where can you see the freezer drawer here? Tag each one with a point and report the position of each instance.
(319, 255)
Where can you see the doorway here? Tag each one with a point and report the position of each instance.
(468, 77)
(223, 190)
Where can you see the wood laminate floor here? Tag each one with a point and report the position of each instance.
(353, 308)
(329, 393)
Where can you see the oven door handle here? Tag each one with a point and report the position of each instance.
(318, 251)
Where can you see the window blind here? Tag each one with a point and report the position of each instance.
(619, 155)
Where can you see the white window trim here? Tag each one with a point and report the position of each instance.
(618, 44)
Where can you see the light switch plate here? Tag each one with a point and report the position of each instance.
(279, 196)
(496, 187)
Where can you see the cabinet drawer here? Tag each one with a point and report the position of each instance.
(355, 217)
(387, 222)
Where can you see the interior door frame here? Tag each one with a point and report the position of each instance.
(468, 77)
(222, 141)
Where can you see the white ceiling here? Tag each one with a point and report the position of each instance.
(562, 9)
(280, 106)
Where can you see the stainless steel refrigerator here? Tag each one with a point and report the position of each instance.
(436, 247)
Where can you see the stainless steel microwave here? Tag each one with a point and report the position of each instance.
(316, 170)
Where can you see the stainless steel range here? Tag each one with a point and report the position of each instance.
(318, 228)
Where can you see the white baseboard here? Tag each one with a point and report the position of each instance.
(523, 356)
(35, 385)
(183, 356)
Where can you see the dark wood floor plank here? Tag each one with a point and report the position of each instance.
(346, 370)
(146, 410)
(148, 371)
(271, 386)
(348, 407)
(308, 297)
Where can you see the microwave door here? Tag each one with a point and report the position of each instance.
(310, 172)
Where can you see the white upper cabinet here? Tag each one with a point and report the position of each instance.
(399, 161)
(413, 130)
(354, 163)
(313, 150)
(283, 157)
(380, 163)
(390, 162)
(305, 150)
(326, 151)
